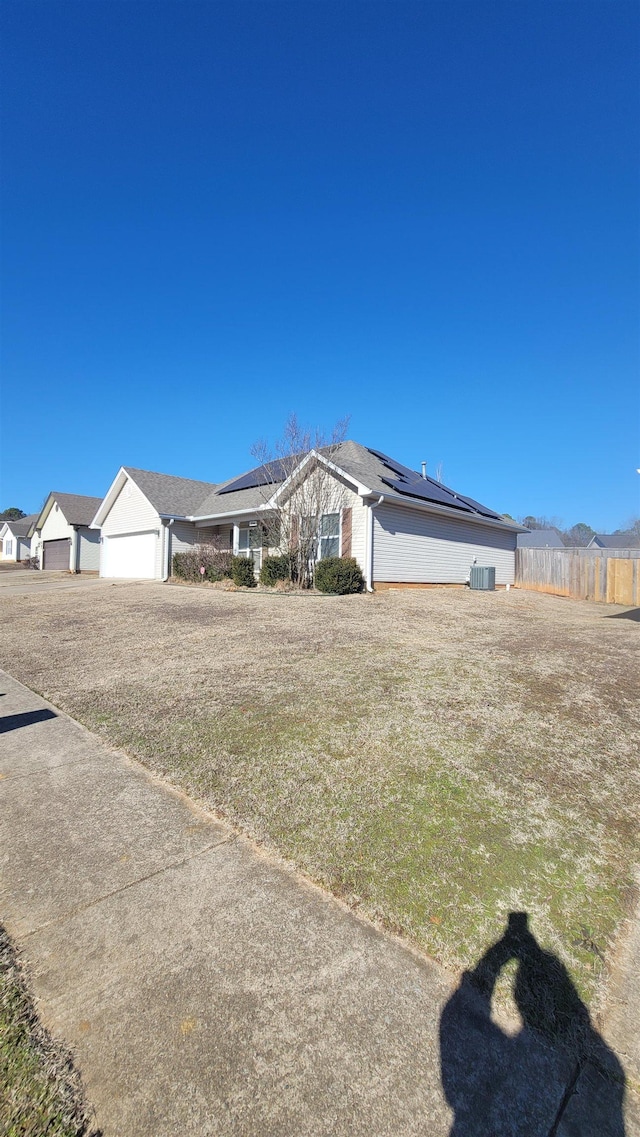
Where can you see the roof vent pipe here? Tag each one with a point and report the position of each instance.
(424, 469)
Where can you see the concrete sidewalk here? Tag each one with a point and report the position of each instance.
(207, 989)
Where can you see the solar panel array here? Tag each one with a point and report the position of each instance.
(271, 474)
(411, 484)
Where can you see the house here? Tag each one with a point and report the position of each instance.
(613, 541)
(144, 519)
(402, 527)
(61, 536)
(540, 539)
(15, 543)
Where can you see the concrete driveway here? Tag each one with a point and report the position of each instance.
(207, 989)
(25, 582)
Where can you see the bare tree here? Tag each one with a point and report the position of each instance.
(303, 495)
(632, 531)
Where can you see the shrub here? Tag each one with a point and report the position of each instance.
(276, 568)
(338, 574)
(215, 562)
(243, 572)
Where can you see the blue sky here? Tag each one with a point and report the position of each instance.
(422, 215)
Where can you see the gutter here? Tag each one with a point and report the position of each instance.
(368, 576)
(232, 513)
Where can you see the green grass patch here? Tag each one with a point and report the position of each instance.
(437, 853)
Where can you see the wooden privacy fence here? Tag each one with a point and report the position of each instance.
(608, 575)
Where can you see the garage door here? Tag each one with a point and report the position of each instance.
(132, 555)
(56, 554)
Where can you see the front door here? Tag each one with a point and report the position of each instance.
(250, 545)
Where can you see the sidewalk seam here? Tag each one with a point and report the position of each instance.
(123, 888)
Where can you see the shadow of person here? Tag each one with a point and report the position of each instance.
(555, 1075)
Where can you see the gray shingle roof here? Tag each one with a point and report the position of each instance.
(77, 509)
(20, 528)
(358, 461)
(540, 539)
(614, 540)
(175, 497)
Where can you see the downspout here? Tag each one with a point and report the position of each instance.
(167, 525)
(368, 576)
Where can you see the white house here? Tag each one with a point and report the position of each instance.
(62, 537)
(15, 542)
(144, 520)
(402, 527)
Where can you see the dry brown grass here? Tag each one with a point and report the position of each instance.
(437, 758)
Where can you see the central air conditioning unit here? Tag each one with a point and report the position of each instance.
(482, 578)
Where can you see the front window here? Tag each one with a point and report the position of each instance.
(8, 548)
(329, 536)
(249, 539)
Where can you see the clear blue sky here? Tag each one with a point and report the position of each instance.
(424, 215)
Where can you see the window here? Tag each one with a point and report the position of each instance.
(329, 536)
(8, 548)
(248, 539)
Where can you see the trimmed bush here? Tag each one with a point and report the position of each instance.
(338, 574)
(275, 569)
(215, 562)
(243, 572)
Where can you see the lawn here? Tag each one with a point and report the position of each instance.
(41, 1090)
(437, 758)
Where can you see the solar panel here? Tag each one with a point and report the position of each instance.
(411, 484)
(483, 509)
(270, 474)
(428, 491)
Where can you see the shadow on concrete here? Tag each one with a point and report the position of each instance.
(14, 722)
(535, 1082)
(630, 614)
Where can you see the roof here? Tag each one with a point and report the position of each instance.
(171, 496)
(374, 472)
(614, 540)
(76, 508)
(21, 527)
(540, 539)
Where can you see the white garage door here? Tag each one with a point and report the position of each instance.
(132, 555)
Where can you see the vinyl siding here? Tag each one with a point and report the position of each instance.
(419, 548)
(358, 527)
(183, 535)
(56, 526)
(132, 513)
(88, 550)
(217, 535)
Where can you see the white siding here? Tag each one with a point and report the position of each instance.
(88, 549)
(182, 536)
(132, 513)
(358, 527)
(420, 548)
(217, 535)
(56, 526)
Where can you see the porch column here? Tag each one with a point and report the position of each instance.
(73, 552)
(236, 539)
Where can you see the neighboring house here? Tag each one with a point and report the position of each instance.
(613, 541)
(61, 535)
(400, 526)
(143, 521)
(540, 539)
(15, 542)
